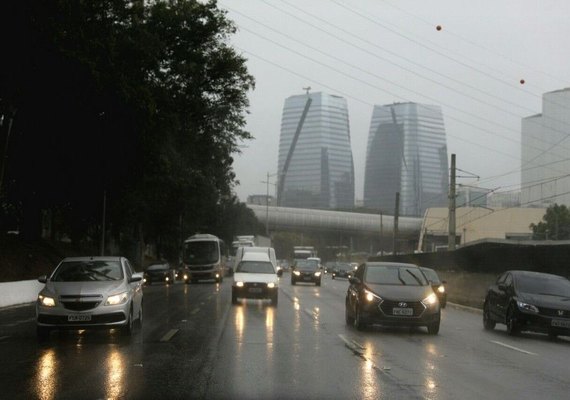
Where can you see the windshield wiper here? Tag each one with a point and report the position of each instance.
(415, 277)
(400, 278)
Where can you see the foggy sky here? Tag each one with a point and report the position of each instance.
(391, 52)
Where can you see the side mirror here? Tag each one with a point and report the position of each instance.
(444, 282)
(136, 278)
(279, 272)
(502, 287)
(42, 279)
(354, 281)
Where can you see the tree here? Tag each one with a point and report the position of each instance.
(143, 100)
(555, 224)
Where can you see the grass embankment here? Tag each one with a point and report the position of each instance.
(21, 260)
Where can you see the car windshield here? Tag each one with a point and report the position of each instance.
(201, 252)
(344, 267)
(543, 285)
(307, 265)
(157, 267)
(87, 271)
(394, 275)
(256, 267)
(431, 275)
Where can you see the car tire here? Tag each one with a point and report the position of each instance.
(127, 329)
(359, 323)
(43, 332)
(234, 298)
(292, 282)
(332, 277)
(140, 317)
(433, 328)
(274, 299)
(488, 323)
(511, 321)
(318, 283)
(349, 320)
(443, 303)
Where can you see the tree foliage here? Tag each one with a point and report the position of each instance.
(555, 224)
(145, 101)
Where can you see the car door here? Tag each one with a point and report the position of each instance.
(493, 297)
(504, 294)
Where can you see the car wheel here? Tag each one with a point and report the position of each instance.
(234, 298)
(443, 303)
(358, 321)
(292, 282)
(140, 318)
(274, 299)
(318, 283)
(43, 332)
(349, 320)
(488, 323)
(127, 330)
(512, 324)
(332, 277)
(433, 328)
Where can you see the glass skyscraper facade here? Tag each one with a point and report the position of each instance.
(315, 165)
(406, 153)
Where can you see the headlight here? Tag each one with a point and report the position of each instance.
(167, 279)
(318, 273)
(46, 301)
(296, 273)
(239, 284)
(185, 277)
(430, 300)
(271, 285)
(369, 296)
(441, 289)
(114, 300)
(527, 307)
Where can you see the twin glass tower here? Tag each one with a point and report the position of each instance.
(407, 153)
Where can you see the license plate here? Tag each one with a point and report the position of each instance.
(403, 311)
(307, 278)
(560, 323)
(254, 290)
(78, 318)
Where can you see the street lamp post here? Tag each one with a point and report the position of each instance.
(267, 202)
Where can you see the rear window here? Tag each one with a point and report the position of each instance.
(307, 265)
(88, 271)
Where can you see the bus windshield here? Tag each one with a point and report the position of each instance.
(201, 252)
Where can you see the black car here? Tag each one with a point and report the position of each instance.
(306, 271)
(159, 272)
(342, 270)
(391, 294)
(529, 301)
(437, 285)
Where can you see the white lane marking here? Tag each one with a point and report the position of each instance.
(346, 341)
(314, 314)
(169, 335)
(513, 348)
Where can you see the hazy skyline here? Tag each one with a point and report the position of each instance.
(378, 52)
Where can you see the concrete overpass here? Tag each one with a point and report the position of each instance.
(325, 221)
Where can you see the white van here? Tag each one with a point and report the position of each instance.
(255, 277)
(270, 251)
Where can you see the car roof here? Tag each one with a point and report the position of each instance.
(535, 274)
(254, 256)
(390, 264)
(93, 258)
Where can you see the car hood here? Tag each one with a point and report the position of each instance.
(85, 288)
(251, 277)
(546, 301)
(397, 292)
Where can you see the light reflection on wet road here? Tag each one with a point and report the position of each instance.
(300, 349)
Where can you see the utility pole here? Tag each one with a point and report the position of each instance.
(396, 216)
(381, 234)
(452, 226)
(267, 208)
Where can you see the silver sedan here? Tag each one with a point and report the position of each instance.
(90, 292)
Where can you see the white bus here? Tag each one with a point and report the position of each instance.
(204, 257)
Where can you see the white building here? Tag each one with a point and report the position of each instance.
(545, 145)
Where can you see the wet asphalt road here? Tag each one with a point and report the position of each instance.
(195, 344)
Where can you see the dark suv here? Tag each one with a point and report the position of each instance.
(306, 271)
(529, 301)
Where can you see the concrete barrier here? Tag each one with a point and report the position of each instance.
(20, 292)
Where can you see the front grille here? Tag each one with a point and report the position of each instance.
(387, 307)
(81, 302)
(255, 285)
(200, 268)
(554, 312)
